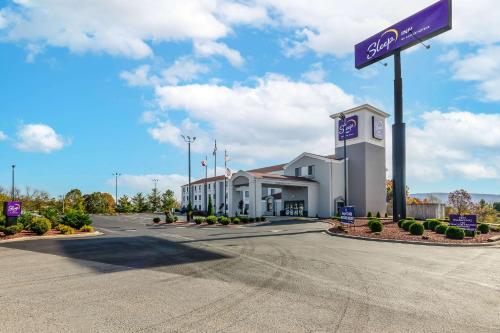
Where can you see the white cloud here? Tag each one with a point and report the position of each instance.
(139, 77)
(183, 70)
(277, 118)
(482, 67)
(131, 184)
(452, 145)
(39, 138)
(3, 136)
(210, 48)
(316, 74)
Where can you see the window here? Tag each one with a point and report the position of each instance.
(209, 186)
(247, 194)
(199, 187)
(310, 170)
(298, 172)
(272, 191)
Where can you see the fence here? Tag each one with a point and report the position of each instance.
(426, 211)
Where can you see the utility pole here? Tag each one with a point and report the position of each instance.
(13, 194)
(189, 141)
(155, 180)
(342, 117)
(225, 181)
(116, 174)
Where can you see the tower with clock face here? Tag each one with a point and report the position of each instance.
(365, 134)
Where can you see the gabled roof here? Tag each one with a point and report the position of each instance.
(326, 158)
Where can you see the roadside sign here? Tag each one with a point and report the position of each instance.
(12, 208)
(347, 215)
(421, 26)
(349, 129)
(466, 222)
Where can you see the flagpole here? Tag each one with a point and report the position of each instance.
(206, 184)
(215, 178)
(225, 181)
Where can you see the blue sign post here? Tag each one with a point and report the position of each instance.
(466, 222)
(347, 215)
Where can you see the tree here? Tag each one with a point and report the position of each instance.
(210, 208)
(74, 200)
(485, 212)
(139, 203)
(99, 203)
(154, 200)
(124, 205)
(168, 201)
(496, 205)
(461, 201)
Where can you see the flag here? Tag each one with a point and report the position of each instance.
(215, 148)
(204, 163)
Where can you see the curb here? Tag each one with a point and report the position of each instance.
(22, 239)
(386, 240)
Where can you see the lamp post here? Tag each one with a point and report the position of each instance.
(13, 195)
(116, 174)
(342, 117)
(189, 141)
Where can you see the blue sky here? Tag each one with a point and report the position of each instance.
(111, 86)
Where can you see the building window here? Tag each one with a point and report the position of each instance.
(298, 172)
(272, 191)
(209, 186)
(247, 194)
(310, 170)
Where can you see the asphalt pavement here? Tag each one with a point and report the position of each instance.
(286, 276)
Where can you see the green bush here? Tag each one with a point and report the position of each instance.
(25, 219)
(385, 215)
(66, 229)
(410, 218)
(378, 215)
(433, 223)
(87, 228)
(417, 228)
(169, 218)
(471, 233)
(224, 220)
(484, 228)
(12, 230)
(370, 221)
(400, 223)
(40, 225)
(212, 219)
(251, 219)
(2, 220)
(244, 219)
(156, 219)
(441, 228)
(369, 214)
(235, 220)
(52, 214)
(76, 219)
(198, 220)
(426, 225)
(406, 224)
(376, 226)
(455, 232)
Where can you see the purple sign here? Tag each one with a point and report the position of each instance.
(350, 128)
(466, 222)
(12, 208)
(347, 215)
(423, 25)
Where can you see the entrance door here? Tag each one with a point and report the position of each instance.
(294, 208)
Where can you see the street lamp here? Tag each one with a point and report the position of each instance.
(13, 184)
(155, 180)
(342, 117)
(116, 174)
(189, 141)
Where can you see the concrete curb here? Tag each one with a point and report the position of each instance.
(386, 240)
(22, 239)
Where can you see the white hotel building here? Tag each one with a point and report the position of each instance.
(309, 185)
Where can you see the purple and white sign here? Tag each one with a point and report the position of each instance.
(12, 208)
(466, 222)
(350, 129)
(347, 215)
(423, 25)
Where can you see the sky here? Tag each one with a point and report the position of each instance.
(89, 88)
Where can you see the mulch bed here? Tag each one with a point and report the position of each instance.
(25, 233)
(392, 231)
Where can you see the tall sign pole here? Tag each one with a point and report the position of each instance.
(225, 181)
(189, 141)
(13, 193)
(425, 24)
(215, 177)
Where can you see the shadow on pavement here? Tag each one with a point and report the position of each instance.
(286, 222)
(141, 252)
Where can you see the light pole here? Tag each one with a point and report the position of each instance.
(189, 141)
(342, 117)
(13, 195)
(116, 174)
